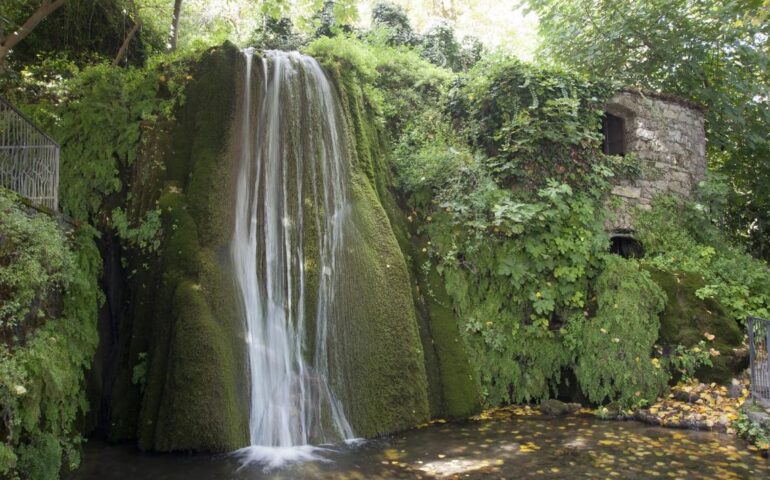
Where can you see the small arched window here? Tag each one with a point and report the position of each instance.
(614, 131)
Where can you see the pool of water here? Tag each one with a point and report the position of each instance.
(500, 447)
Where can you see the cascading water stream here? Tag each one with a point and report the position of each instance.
(292, 184)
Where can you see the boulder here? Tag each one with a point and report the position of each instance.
(557, 408)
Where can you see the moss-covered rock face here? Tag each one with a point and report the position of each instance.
(453, 389)
(686, 319)
(181, 377)
(385, 384)
(182, 380)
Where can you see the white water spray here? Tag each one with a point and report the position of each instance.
(292, 180)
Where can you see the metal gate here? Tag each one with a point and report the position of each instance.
(29, 159)
(759, 340)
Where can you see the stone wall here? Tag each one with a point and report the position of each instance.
(668, 135)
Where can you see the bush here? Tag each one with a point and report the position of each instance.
(42, 385)
(33, 270)
(681, 236)
(614, 348)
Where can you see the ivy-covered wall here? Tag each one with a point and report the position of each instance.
(668, 137)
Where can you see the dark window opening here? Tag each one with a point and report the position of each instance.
(614, 131)
(626, 247)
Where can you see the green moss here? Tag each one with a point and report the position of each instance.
(47, 344)
(41, 459)
(200, 410)
(613, 348)
(385, 384)
(183, 305)
(687, 318)
(452, 389)
(460, 386)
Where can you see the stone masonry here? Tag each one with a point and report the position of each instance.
(668, 136)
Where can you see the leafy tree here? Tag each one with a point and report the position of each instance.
(330, 19)
(441, 47)
(10, 39)
(277, 33)
(715, 53)
(393, 18)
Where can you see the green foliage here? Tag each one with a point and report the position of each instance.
(753, 432)
(334, 17)
(717, 55)
(686, 360)
(514, 222)
(145, 236)
(276, 34)
(687, 321)
(529, 120)
(34, 268)
(66, 35)
(614, 348)
(97, 114)
(42, 386)
(392, 18)
(680, 236)
(397, 83)
(41, 459)
(440, 47)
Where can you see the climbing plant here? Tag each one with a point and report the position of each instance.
(506, 180)
(683, 236)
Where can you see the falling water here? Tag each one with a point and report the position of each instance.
(292, 183)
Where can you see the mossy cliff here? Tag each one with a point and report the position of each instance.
(181, 382)
(453, 389)
(181, 378)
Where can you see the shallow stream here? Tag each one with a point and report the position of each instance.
(502, 447)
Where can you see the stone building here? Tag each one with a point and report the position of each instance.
(667, 134)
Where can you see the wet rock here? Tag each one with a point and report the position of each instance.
(557, 408)
(759, 417)
(689, 393)
(735, 390)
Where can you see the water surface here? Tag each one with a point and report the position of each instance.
(502, 447)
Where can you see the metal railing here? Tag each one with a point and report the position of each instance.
(29, 159)
(759, 342)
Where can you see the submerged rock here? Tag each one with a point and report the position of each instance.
(558, 408)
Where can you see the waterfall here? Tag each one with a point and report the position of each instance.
(291, 209)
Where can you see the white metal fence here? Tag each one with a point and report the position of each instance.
(759, 342)
(29, 159)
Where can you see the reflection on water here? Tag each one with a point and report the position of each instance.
(508, 447)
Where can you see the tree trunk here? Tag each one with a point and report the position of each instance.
(8, 42)
(174, 25)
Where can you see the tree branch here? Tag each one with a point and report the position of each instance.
(124, 47)
(13, 39)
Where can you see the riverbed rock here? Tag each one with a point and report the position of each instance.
(735, 389)
(558, 408)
